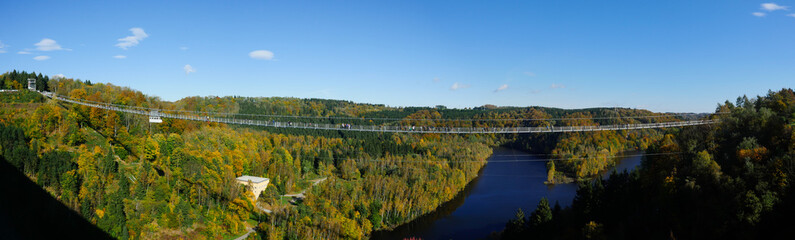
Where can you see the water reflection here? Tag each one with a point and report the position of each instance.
(491, 199)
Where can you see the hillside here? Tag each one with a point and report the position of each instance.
(134, 179)
(726, 181)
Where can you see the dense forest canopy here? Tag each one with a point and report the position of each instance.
(135, 180)
(19, 80)
(731, 180)
(597, 148)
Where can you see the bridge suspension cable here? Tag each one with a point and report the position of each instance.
(521, 160)
(663, 115)
(179, 114)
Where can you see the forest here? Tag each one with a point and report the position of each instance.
(137, 180)
(588, 153)
(176, 180)
(724, 181)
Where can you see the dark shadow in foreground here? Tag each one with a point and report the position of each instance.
(29, 212)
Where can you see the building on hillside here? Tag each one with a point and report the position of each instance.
(255, 184)
(32, 84)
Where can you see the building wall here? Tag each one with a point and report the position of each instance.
(256, 188)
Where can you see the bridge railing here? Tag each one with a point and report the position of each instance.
(382, 128)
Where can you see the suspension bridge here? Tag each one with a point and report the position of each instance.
(155, 115)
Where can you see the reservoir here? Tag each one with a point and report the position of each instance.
(511, 180)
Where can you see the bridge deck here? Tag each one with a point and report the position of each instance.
(374, 128)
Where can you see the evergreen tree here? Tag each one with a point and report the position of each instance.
(542, 214)
(516, 227)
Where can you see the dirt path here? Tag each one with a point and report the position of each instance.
(250, 230)
(301, 194)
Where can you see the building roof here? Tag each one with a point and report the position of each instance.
(246, 178)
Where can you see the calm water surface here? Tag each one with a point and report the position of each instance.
(492, 199)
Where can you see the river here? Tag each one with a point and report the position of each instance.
(492, 198)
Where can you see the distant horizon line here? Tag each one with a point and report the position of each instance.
(432, 106)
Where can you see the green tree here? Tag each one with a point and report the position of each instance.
(593, 230)
(516, 227)
(551, 172)
(752, 208)
(542, 214)
(150, 149)
(704, 164)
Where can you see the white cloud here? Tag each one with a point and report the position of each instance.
(188, 69)
(2, 47)
(457, 86)
(436, 79)
(261, 54)
(183, 48)
(41, 58)
(130, 41)
(119, 57)
(48, 45)
(529, 74)
(791, 14)
(773, 7)
(556, 86)
(23, 52)
(60, 75)
(502, 88)
(758, 14)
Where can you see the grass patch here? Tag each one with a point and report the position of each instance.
(93, 138)
(251, 222)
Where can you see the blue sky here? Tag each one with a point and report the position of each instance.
(682, 56)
